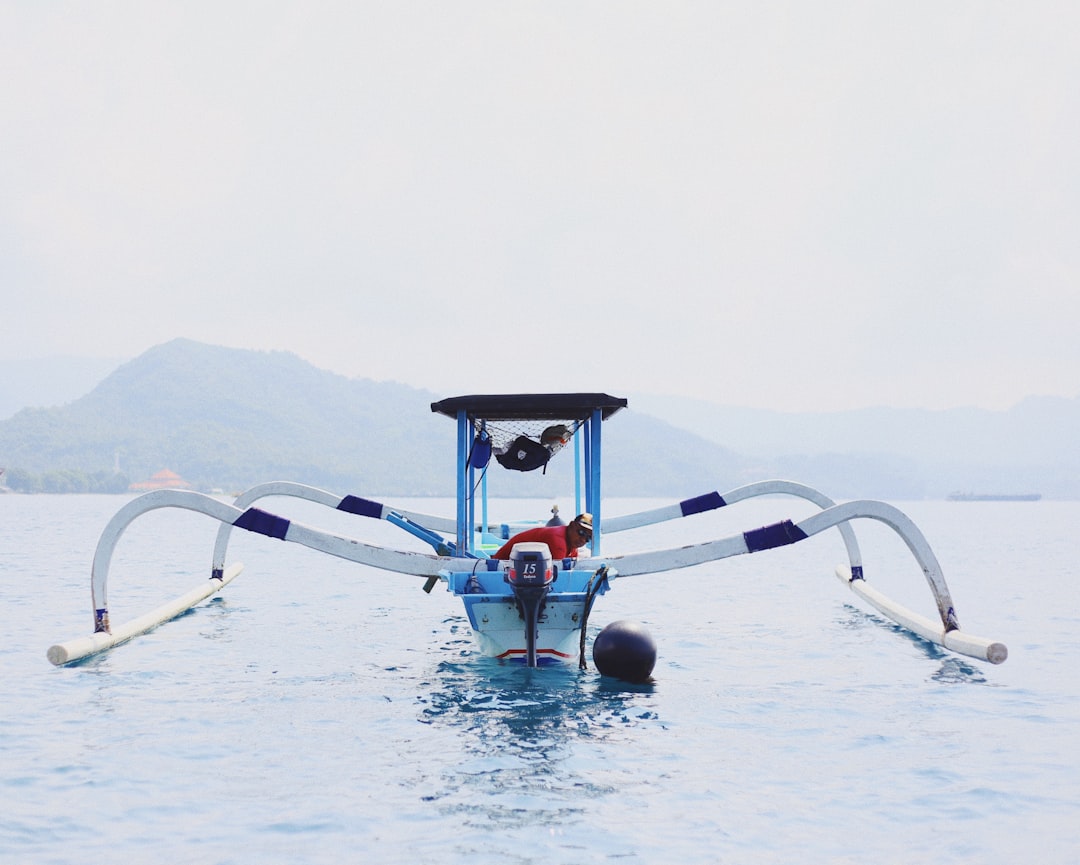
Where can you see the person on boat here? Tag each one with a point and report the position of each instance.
(563, 541)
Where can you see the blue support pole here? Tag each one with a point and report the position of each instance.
(462, 482)
(593, 498)
(586, 462)
(577, 474)
(471, 509)
(483, 504)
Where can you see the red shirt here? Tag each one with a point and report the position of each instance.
(553, 536)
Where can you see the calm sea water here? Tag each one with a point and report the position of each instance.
(321, 712)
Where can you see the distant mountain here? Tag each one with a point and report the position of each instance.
(899, 453)
(229, 418)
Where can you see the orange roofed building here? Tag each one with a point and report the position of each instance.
(163, 480)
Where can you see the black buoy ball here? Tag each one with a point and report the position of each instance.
(625, 650)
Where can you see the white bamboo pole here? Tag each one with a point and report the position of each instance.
(84, 647)
(958, 641)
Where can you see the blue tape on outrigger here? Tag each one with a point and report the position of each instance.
(255, 520)
(698, 504)
(360, 507)
(777, 535)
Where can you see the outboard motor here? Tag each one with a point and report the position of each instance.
(530, 576)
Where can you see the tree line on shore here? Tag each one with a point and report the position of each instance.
(65, 481)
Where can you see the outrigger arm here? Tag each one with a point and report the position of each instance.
(351, 504)
(714, 500)
(251, 519)
(786, 532)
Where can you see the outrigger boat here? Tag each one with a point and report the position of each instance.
(528, 608)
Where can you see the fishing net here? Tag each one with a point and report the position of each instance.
(522, 444)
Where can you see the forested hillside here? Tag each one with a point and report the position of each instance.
(228, 418)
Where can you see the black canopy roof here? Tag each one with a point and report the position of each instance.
(531, 406)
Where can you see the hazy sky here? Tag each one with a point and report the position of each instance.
(804, 205)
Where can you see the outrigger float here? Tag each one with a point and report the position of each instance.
(528, 608)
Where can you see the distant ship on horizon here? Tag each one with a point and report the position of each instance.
(994, 497)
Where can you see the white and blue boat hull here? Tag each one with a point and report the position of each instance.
(497, 620)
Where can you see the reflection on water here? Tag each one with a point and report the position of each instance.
(525, 738)
(954, 669)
